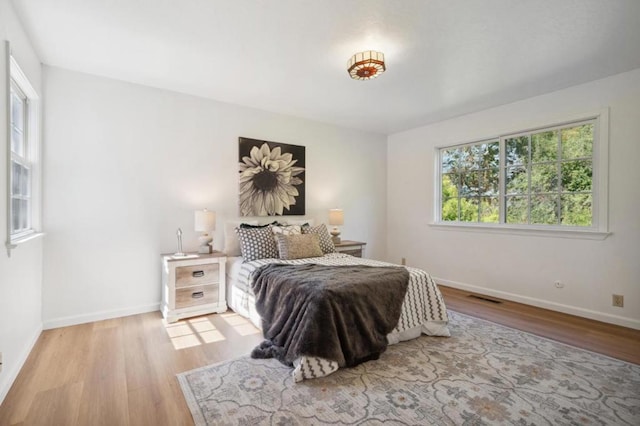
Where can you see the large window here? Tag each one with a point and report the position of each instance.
(539, 178)
(23, 161)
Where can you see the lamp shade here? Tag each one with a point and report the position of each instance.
(205, 220)
(336, 217)
(366, 65)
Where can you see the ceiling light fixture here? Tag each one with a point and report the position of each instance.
(366, 65)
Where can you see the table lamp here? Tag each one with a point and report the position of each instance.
(336, 218)
(205, 221)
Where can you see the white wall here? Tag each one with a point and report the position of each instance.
(126, 165)
(20, 274)
(516, 267)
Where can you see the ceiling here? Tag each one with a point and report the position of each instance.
(444, 57)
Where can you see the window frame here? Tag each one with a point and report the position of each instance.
(599, 184)
(31, 156)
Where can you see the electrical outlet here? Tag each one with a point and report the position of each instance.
(404, 261)
(617, 300)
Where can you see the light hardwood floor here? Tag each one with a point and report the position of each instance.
(122, 371)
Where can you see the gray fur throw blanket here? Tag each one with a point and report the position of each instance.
(339, 313)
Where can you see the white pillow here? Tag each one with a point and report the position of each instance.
(287, 229)
(299, 222)
(231, 242)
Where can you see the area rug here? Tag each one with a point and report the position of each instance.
(484, 373)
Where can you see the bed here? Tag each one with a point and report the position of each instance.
(423, 310)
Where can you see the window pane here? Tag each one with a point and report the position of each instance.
(24, 212)
(469, 209)
(474, 153)
(15, 215)
(449, 187)
(576, 175)
(544, 146)
(576, 209)
(15, 178)
(467, 160)
(450, 209)
(577, 142)
(469, 183)
(17, 111)
(517, 210)
(544, 178)
(517, 180)
(489, 210)
(17, 124)
(544, 209)
(450, 160)
(17, 142)
(24, 181)
(517, 150)
(489, 155)
(490, 182)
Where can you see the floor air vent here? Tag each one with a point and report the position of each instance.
(486, 299)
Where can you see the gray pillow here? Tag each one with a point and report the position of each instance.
(257, 243)
(326, 244)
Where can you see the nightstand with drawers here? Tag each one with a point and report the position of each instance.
(354, 248)
(193, 285)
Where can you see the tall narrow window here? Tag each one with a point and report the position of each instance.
(20, 188)
(536, 178)
(23, 206)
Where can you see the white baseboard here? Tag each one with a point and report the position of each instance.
(11, 375)
(99, 316)
(553, 306)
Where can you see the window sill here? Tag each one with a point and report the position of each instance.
(585, 234)
(21, 240)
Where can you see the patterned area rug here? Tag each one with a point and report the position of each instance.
(484, 374)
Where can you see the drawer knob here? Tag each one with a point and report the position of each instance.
(197, 274)
(197, 294)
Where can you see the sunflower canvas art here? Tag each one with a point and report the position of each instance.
(272, 178)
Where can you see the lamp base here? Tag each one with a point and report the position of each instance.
(205, 244)
(335, 235)
(205, 249)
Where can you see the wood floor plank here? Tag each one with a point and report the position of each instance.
(52, 347)
(123, 371)
(104, 398)
(61, 404)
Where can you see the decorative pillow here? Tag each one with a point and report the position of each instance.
(300, 222)
(257, 243)
(231, 242)
(287, 229)
(298, 246)
(326, 244)
(255, 224)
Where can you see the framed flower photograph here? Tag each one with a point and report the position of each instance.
(272, 178)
